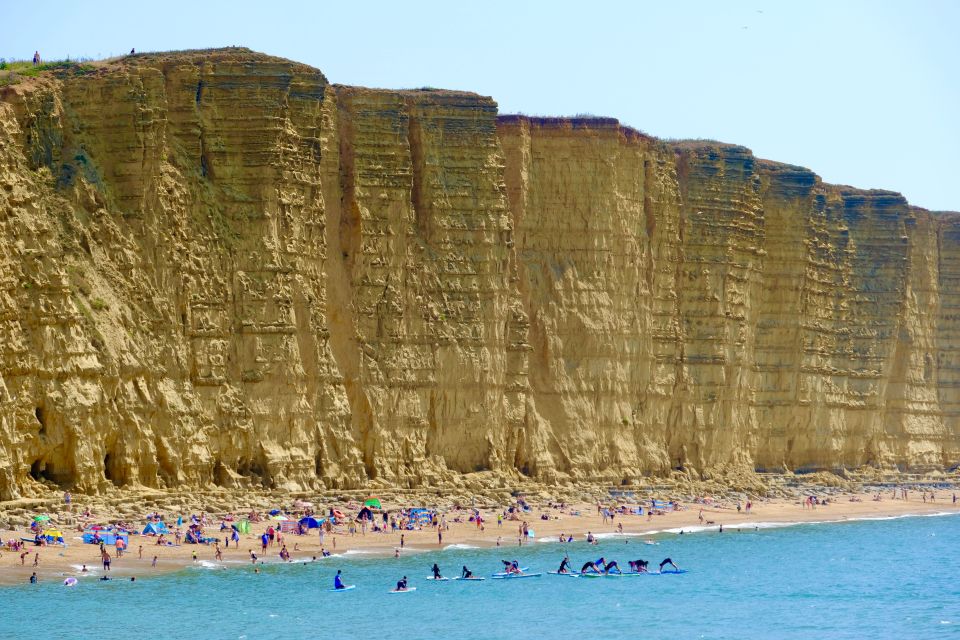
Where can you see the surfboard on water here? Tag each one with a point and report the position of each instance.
(346, 588)
(407, 590)
(473, 579)
(571, 574)
(438, 579)
(517, 576)
(670, 571)
(504, 573)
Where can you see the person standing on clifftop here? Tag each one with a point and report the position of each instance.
(36, 58)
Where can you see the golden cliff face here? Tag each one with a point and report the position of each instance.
(217, 268)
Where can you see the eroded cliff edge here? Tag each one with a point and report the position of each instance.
(218, 268)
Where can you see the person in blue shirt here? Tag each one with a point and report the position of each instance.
(338, 581)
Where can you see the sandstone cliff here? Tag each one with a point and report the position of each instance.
(218, 268)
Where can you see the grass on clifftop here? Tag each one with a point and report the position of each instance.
(12, 70)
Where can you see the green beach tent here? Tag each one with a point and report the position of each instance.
(372, 502)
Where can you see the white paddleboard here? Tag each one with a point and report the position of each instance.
(346, 588)
(407, 590)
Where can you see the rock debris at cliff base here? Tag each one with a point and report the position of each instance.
(217, 268)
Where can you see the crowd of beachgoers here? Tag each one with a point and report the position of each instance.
(73, 541)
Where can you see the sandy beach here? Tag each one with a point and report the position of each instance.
(56, 562)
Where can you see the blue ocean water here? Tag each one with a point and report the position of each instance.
(895, 578)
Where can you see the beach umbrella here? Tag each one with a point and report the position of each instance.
(372, 501)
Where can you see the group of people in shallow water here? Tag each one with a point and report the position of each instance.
(602, 566)
(599, 566)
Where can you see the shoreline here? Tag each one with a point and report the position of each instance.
(56, 563)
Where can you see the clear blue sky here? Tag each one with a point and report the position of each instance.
(865, 93)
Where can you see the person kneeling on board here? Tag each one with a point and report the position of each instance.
(639, 566)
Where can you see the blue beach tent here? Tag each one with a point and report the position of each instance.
(155, 529)
(312, 522)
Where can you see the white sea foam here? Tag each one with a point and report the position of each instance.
(456, 546)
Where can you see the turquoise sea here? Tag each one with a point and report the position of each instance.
(893, 578)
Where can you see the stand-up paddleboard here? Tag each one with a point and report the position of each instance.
(407, 590)
(571, 574)
(670, 571)
(504, 573)
(431, 578)
(473, 579)
(346, 588)
(517, 576)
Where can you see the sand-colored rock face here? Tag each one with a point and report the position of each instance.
(217, 268)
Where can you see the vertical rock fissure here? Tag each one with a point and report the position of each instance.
(421, 213)
(342, 235)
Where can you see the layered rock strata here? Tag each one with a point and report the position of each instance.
(216, 268)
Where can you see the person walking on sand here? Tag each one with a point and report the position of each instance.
(154, 563)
